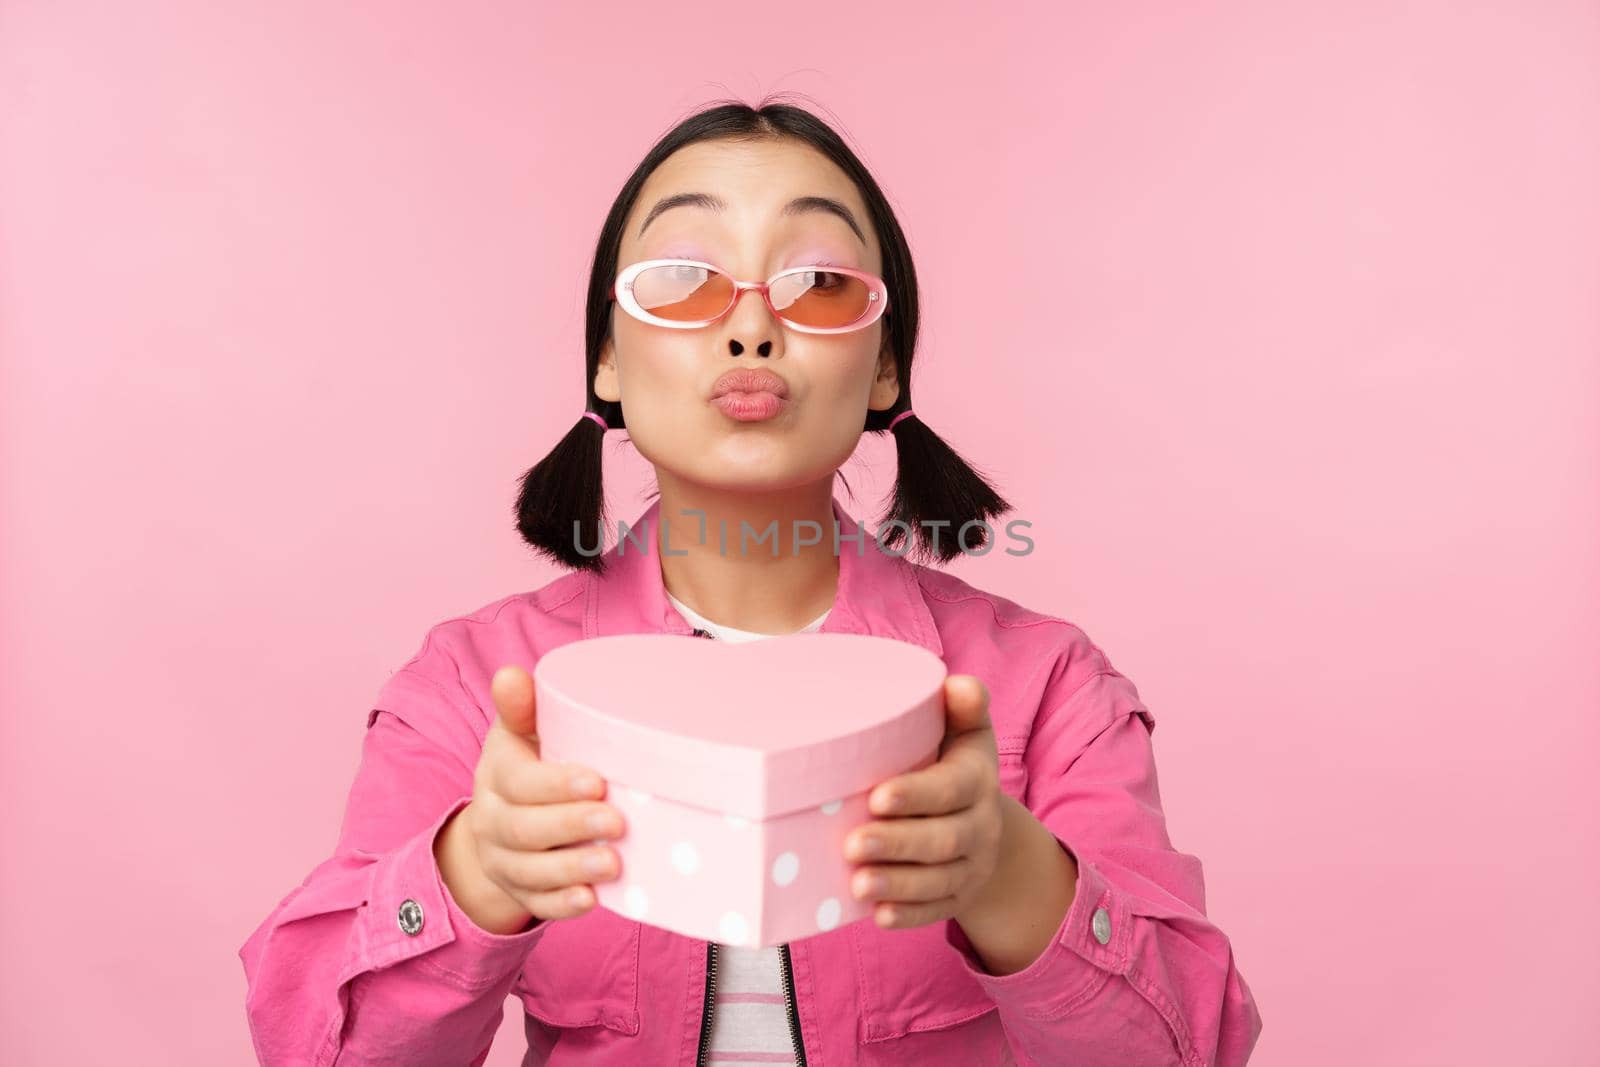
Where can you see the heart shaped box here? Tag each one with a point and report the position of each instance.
(739, 769)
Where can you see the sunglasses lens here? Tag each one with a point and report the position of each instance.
(682, 293)
(821, 298)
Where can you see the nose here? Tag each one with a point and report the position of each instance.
(756, 327)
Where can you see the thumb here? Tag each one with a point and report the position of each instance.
(512, 689)
(966, 704)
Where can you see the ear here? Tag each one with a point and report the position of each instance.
(886, 383)
(606, 385)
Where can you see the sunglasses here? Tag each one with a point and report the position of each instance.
(686, 294)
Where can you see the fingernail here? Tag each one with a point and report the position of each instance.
(599, 822)
(584, 784)
(868, 847)
(599, 863)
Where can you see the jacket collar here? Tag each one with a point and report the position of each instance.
(878, 592)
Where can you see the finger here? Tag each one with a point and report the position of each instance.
(910, 882)
(534, 781)
(512, 690)
(553, 869)
(951, 784)
(566, 903)
(901, 915)
(537, 827)
(930, 839)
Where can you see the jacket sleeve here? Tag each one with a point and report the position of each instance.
(334, 974)
(1135, 975)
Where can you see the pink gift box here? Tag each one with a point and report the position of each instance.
(739, 769)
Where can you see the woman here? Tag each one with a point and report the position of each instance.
(1029, 905)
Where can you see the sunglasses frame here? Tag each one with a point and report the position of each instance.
(622, 293)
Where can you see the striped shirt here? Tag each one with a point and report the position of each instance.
(750, 1015)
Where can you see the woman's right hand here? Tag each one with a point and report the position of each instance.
(525, 837)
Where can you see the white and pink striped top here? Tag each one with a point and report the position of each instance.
(749, 1017)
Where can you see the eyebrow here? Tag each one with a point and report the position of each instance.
(800, 205)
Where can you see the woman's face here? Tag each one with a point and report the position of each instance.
(664, 377)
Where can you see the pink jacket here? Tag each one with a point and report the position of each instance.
(369, 961)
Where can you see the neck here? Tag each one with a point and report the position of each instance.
(712, 561)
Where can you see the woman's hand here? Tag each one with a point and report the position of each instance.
(530, 841)
(940, 834)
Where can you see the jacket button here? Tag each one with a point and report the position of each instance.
(1102, 925)
(411, 917)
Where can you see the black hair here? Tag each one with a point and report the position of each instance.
(561, 501)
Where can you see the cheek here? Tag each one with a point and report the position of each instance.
(839, 387)
(845, 374)
(652, 367)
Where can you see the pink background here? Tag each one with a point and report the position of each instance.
(1293, 362)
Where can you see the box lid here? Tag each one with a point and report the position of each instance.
(755, 729)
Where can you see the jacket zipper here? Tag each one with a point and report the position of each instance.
(793, 1008)
(705, 1012)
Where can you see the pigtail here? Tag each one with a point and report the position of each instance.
(560, 505)
(935, 484)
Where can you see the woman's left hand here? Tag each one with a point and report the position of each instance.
(940, 827)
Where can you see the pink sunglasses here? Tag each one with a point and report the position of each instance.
(686, 294)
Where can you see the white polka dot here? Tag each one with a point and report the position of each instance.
(737, 820)
(641, 797)
(684, 858)
(828, 914)
(734, 928)
(634, 902)
(785, 867)
(832, 807)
